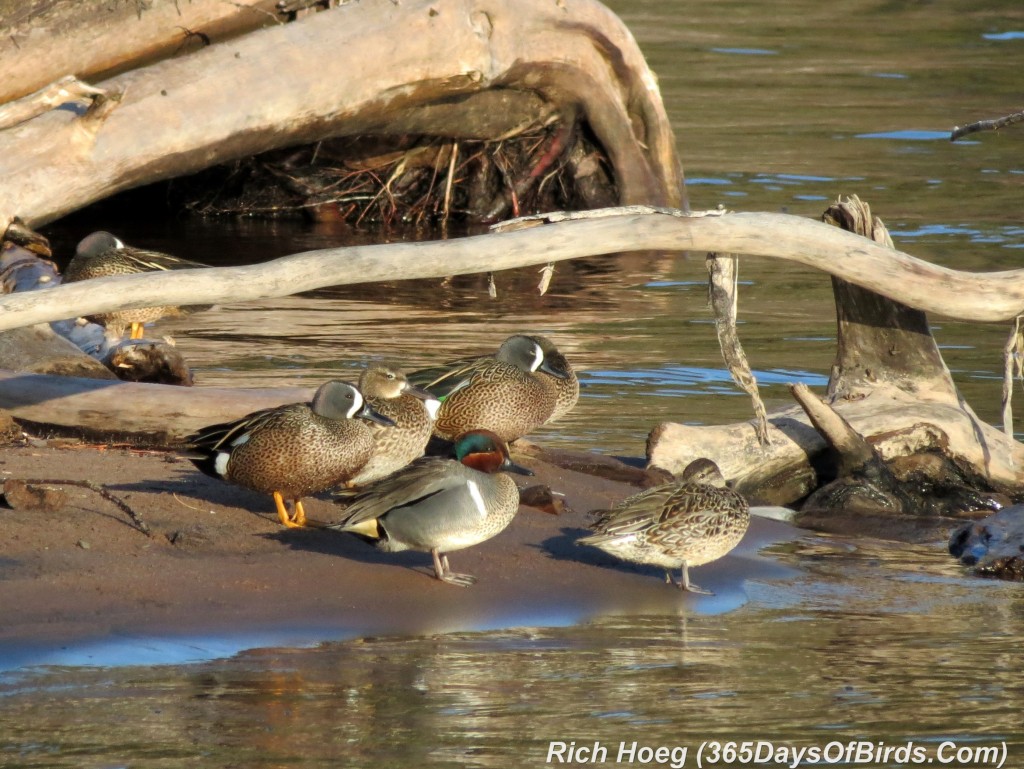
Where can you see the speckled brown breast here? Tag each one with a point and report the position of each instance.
(395, 447)
(567, 391)
(300, 453)
(500, 398)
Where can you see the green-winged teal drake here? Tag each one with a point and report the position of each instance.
(437, 505)
(526, 384)
(689, 522)
(291, 451)
(101, 255)
(412, 409)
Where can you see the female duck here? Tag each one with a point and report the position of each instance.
(291, 451)
(388, 392)
(524, 385)
(101, 255)
(689, 522)
(437, 505)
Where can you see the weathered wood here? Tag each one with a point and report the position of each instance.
(854, 451)
(67, 89)
(879, 338)
(986, 125)
(42, 41)
(930, 482)
(963, 295)
(723, 295)
(894, 422)
(147, 413)
(886, 357)
(172, 118)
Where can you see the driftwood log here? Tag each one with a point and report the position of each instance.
(42, 41)
(889, 386)
(74, 346)
(884, 403)
(455, 68)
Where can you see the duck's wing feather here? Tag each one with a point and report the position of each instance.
(442, 381)
(416, 482)
(450, 518)
(154, 260)
(632, 515)
(213, 438)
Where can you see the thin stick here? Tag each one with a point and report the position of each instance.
(986, 125)
(723, 283)
(140, 524)
(448, 183)
(1013, 366)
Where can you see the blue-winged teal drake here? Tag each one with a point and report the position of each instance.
(437, 505)
(291, 451)
(412, 409)
(101, 255)
(689, 522)
(513, 392)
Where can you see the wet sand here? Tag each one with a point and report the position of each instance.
(217, 564)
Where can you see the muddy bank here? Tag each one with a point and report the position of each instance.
(217, 564)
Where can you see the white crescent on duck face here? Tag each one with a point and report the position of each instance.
(102, 255)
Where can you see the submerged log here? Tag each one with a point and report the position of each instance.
(994, 546)
(924, 482)
(171, 119)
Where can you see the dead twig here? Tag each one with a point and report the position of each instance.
(140, 524)
(1013, 368)
(722, 296)
(986, 125)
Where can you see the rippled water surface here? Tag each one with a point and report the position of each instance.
(777, 107)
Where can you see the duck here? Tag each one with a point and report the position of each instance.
(525, 384)
(388, 391)
(688, 522)
(566, 388)
(439, 504)
(100, 255)
(291, 451)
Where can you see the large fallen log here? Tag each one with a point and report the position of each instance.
(147, 414)
(953, 293)
(41, 41)
(171, 118)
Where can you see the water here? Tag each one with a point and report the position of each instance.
(869, 644)
(774, 111)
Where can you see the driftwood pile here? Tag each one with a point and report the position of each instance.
(484, 106)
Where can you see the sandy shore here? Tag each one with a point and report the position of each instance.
(218, 565)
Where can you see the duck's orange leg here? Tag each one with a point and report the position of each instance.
(137, 331)
(300, 515)
(282, 512)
